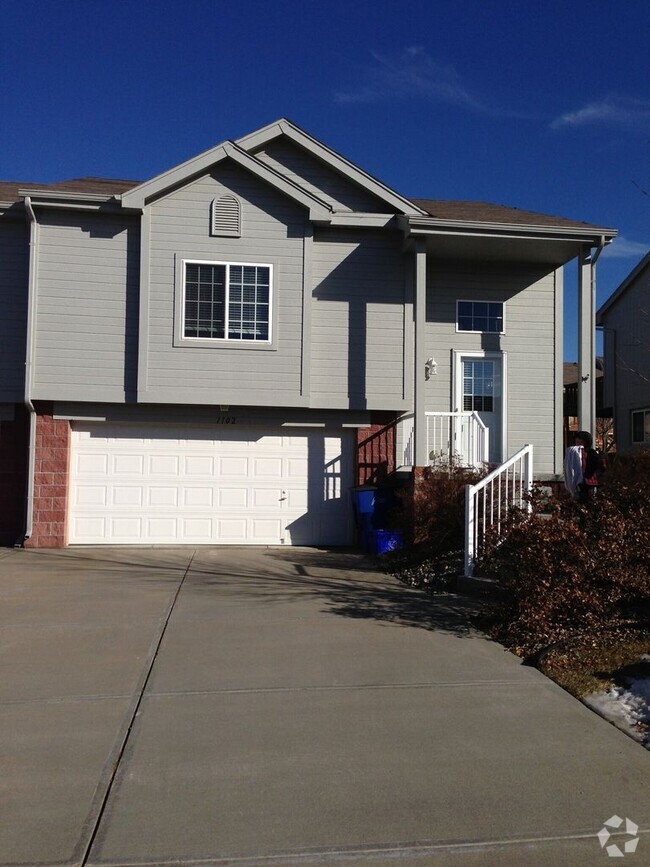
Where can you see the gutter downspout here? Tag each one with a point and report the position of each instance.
(29, 358)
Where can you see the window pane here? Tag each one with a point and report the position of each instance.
(637, 427)
(647, 426)
(484, 316)
(204, 300)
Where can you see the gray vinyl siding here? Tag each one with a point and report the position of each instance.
(311, 174)
(627, 358)
(358, 320)
(86, 307)
(273, 230)
(528, 341)
(14, 271)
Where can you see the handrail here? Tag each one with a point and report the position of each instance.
(452, 437)
(514, 480)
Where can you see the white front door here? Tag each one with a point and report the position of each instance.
(479, 388)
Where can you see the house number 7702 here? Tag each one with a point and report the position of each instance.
(225, 419)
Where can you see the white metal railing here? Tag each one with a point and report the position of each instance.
(487, 502)
(453, 438)
(407, 425)
(459, 438)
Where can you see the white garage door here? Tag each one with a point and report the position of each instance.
(189, 484)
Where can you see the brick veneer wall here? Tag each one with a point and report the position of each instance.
(50, 482)
(376, 449)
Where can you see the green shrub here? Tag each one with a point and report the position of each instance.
(578, 568)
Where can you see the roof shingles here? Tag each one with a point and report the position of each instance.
(456, 211)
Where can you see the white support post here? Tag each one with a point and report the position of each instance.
(529, 475)
(421, 458)
(586, 343)
(470, 530)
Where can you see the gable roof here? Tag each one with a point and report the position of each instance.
(352, 172)
(622, 289)
(174, 177)
(433, 213)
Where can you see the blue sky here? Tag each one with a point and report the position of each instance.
(538, 105)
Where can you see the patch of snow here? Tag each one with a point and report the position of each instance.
(627, 707)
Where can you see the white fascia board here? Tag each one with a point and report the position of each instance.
(357, 220)
(425, 226)
(614, 297)
(331, 158)
(136, 197)
(62, 195)
(171, 179)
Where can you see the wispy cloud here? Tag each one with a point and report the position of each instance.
(622, 248)
(415, 74)
(610, 111)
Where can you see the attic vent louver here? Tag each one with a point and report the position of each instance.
(226, 217)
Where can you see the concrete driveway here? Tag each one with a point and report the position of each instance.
(284, 706)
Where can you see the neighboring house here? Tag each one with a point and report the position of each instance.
(625, 321)
(218, 354)
(603, 431)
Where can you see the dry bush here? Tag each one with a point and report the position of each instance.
(578, 569)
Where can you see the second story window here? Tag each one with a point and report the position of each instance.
(483, 316)
(226, 301)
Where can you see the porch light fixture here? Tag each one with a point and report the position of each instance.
(430, 368)
(224, 407)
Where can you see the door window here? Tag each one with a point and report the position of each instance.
(478, 386)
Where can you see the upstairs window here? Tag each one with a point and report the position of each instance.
(482, 316)
(641, 426)
(225, 217)
(225, 301)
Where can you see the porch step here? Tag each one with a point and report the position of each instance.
(484, 588)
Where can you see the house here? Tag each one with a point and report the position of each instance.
(603, 430)
(219, 353)
(625, 321)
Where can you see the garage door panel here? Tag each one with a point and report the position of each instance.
(233, 467)
(197, 528)
(91, 464)
(138, 484)
(164, 465)
(198, 496)
(235, 529)
(162, 496)
(161, 529)
(90, 495)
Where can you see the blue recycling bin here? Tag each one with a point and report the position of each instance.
(387, 540)
(363, 497)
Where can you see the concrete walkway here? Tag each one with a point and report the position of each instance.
(284, 706)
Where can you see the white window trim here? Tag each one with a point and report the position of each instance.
(180, 339)
(481, 301)
(644, 441)
(457, 386)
